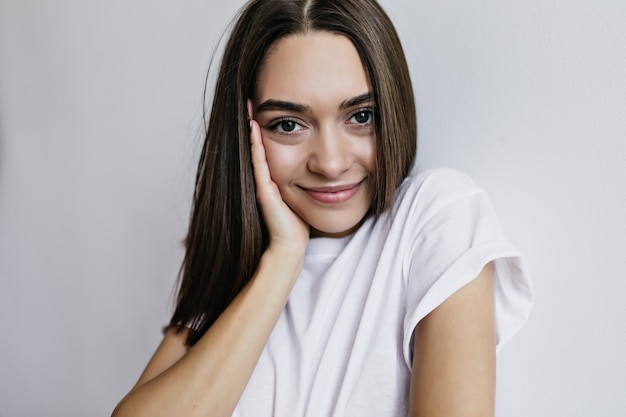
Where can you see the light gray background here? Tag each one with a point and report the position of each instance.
(99, 120)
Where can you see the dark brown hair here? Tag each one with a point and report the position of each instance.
(227, 234)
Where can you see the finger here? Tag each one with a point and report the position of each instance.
(259, 160)
(260, 167)
(250, 110)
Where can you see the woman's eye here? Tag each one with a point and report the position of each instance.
(285, 126)
(362, 117)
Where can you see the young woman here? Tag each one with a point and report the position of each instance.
(320, 279)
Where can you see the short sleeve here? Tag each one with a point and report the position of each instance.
(454, 234)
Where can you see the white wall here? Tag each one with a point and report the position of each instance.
(99, 119)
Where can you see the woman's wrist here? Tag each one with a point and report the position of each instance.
(286, 257)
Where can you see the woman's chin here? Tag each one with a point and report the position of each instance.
(335, 231)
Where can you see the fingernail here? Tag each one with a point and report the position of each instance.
(250, 124)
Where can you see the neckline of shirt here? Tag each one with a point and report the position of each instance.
(330, 246)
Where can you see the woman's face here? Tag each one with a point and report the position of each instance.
(315, 106)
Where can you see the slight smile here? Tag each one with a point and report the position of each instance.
(333, 194)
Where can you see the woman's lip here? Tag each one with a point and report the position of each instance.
(333, 194)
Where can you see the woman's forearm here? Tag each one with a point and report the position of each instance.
(210, 378)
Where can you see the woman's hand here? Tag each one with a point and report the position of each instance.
(210, 377)
(288, 232)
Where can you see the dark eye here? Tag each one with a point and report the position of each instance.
(362, 117)
(287, 125)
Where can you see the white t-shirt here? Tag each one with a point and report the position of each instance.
(342, 346)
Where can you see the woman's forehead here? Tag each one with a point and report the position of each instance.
(312, 66)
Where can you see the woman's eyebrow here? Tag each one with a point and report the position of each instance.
(270, 105)
(274, 105)
(355, 101)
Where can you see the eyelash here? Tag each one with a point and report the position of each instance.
(276, 124)
(367, 110)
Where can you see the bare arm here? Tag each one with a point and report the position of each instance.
(209, 378)
(454, 355)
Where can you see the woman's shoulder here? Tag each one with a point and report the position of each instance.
(435, 185)
(440, 179)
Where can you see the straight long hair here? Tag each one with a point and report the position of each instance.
(227, 234)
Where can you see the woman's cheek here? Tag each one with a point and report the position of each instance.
(284, 160)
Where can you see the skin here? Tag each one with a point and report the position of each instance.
(331, 153)
(316, 116)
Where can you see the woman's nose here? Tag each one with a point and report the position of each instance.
(329, 153)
